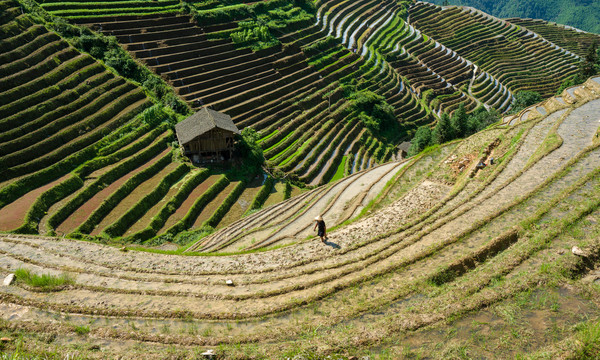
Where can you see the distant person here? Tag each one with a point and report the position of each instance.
(322, 229)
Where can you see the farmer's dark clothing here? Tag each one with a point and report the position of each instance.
(321, 226)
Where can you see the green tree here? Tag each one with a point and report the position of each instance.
(421, 140)
(376, 114)
(458, 122)
(250, 150)
(589, 66)
(443, 130)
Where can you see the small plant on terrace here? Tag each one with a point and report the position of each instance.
(44, 282)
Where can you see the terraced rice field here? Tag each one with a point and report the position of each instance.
(425, 257)
(445, 250)
(291, 92)
(77, 156)
(516, 56)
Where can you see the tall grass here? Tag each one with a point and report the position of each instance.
(45, 282)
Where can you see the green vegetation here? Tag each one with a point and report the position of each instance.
(107, 49)
(460, 125)
(589, 66)
(524, 99)
(583, 15)
(250, 151)
(376, 114)
(44, 282)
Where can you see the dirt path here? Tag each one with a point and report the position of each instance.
(13, 214)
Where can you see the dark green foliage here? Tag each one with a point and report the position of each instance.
(124, 65)
(458, 122)
(447, 129)
(250, 151)
(443, 131)
(590, 65)
(254, 35)
(571, 81)
(288, 190)
(421, 140)
(524, 99)
(156, 115)
(481, 119)
(375, 114)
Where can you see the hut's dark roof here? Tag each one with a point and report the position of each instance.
(202, 122)
(405, 146)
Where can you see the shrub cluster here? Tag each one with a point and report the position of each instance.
(375, 114)
(448, 128)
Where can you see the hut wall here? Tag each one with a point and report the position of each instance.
(213, 141)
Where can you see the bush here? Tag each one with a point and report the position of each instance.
(443, 131)
(421, 140)
(250, 151)
(524, 99)
(375, 114)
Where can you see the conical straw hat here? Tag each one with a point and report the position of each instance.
(319, 218)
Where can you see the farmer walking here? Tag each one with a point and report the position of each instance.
(322, 230)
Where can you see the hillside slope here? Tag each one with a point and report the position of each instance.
(331, 87)
(448, 251)
(582, 14)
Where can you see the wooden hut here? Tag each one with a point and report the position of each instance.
(403, 149)
(207, 136)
